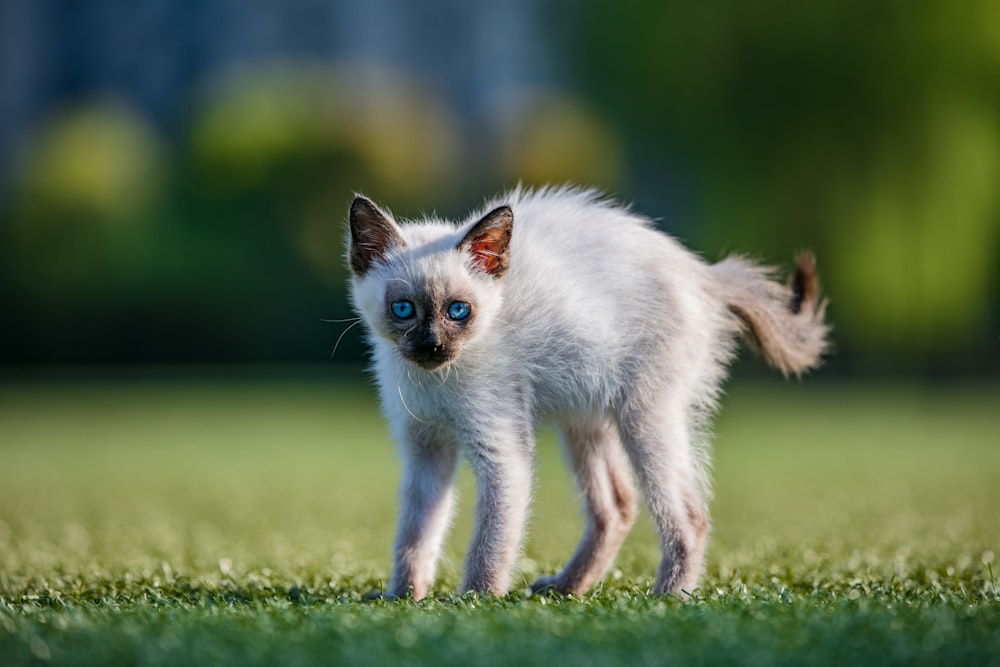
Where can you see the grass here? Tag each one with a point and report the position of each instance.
(244, 522)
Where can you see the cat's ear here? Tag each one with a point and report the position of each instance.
(489, 241)
(373, 235)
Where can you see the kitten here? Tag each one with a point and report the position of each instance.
(555, 304)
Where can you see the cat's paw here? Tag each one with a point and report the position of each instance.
(544, 585)
(380, 595)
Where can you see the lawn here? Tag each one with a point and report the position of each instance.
(243, 522)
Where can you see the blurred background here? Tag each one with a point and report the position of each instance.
(174, 174)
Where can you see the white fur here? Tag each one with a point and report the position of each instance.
(603, 325)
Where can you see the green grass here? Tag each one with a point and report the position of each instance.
(244, 522)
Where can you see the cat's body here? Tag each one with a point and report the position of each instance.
(556, 305)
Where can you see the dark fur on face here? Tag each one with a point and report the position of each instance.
(431, 339)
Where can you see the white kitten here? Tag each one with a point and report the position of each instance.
(554, 304)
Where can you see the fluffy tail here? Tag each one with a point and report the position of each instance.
(784, 323)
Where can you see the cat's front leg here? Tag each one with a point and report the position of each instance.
(503, 475)
(426, 507)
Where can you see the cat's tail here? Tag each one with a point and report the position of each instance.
(784, 323)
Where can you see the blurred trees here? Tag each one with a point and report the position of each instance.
(869, 131)
(225, 242)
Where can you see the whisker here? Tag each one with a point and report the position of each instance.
(342, 334)
(402, 400)
(348, 319)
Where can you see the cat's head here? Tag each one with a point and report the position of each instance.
(427, 288)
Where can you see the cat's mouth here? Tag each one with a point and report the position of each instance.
(430, 358)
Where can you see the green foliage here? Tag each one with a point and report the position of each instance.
(554, 138)
(868, 131)
(245, 522)
(99, 163)
(82, 195)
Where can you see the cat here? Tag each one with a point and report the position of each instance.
(556, 304)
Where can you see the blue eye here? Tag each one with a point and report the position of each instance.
(402, 309)
(459, 310)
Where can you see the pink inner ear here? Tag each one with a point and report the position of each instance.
(484, 253)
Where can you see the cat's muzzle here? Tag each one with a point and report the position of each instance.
(430, 357)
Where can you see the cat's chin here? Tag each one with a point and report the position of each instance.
(432, 366)
(430, 363)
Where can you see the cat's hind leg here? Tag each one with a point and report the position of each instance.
(657, 434)
(602, 470)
